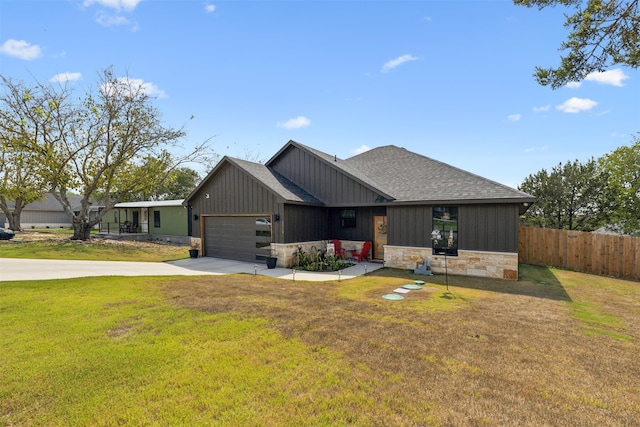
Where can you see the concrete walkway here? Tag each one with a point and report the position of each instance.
(44, 269)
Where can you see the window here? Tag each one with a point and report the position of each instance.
(445, 220)
(156, 219)
(348, 218)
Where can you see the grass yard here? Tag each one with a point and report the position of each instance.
(557, 348)
(56, 244)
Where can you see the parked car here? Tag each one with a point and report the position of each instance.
(6, 234)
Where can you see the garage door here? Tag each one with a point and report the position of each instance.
(241, 238)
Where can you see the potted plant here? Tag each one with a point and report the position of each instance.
(195, 248)
(272, 258)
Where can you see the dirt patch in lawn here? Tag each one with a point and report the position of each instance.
(484, 354)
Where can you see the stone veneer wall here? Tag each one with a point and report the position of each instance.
(498, 265)
(286, 251)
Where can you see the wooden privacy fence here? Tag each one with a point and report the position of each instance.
(603, 254)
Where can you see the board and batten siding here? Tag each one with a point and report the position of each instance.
(173, 221)
(490, 227)
(364, 223)
(317, 177)
(232, 192)
(304, 223)
(409, 225)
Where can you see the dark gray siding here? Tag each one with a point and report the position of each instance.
(409, 226)
(304, 223)
(232, 191)
(490, 227)
(318, 178)
(364, 223)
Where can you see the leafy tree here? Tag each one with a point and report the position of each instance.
(109, 145)
(623, 166)
(177, 185)
(602, 33)
(19, 184)
(572, 196)
(27, 131)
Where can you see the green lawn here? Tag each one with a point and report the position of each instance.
(556, 348)
(93, 249)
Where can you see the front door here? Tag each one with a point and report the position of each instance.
(379, 236)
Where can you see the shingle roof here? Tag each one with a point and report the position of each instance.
(275, 181)
(408, 176)
(395, 173)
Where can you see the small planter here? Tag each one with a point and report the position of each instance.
(271, 262)
(193, 253)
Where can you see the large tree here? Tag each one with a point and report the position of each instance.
(623, 165)
(572, 196)
(178, 184)
(601, 33)
(110, 144)
(28, 130)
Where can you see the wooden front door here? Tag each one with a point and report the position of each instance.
(379, 236)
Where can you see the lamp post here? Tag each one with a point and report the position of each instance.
(435, 236)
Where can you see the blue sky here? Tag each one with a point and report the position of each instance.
(451, 80)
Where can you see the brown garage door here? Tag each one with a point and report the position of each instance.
(242, 238)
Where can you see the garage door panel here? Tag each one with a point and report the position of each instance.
(235, 237)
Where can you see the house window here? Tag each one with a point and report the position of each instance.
(445, 220)
(348, 218)
(156, 219)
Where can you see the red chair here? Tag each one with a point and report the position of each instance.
(364, 253)
(339, 252)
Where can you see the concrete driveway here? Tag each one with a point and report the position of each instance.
(44, 269)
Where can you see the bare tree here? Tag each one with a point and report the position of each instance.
(107, 146)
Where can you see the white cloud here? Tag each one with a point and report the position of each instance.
(360, 150)
(514, 117)
(136, 85)
(576, 105)
(574, 85)
(20, 49)
(65, 77)
(542, 109)
(127, 5)
(209, 8)
(295, 123)
(107, 20)
(397, 62)
(610, 77)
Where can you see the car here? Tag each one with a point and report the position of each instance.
(6, 234)
(263, 221)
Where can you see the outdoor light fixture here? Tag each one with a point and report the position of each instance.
(435, 236)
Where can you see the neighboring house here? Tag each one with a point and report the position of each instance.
(157, 219)
(49, 213)
(390, 196)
